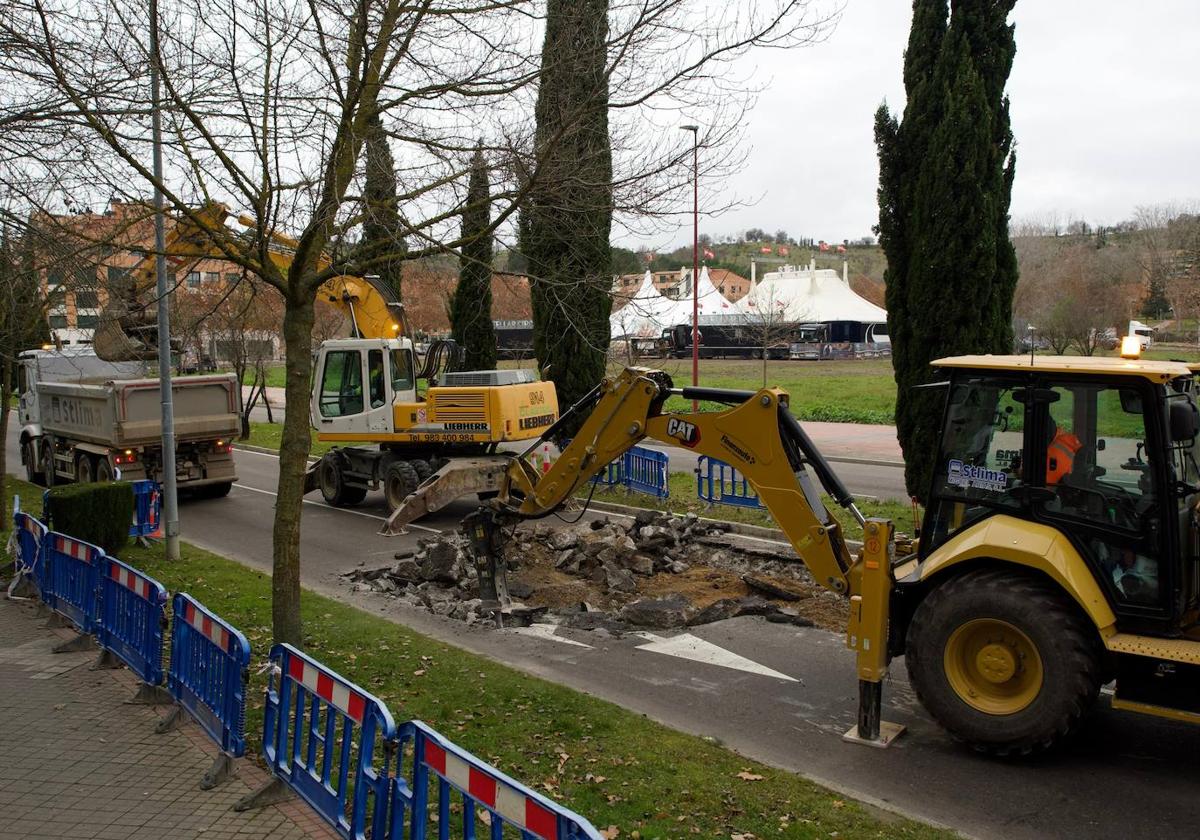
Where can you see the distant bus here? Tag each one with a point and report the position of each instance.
(514, 339)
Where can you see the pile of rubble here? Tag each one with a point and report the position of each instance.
(656, 571)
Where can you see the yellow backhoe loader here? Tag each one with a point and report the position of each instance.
(365, 388)
(1058, 551)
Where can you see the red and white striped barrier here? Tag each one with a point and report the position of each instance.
(334, 692)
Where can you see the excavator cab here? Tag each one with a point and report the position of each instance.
(357, 383)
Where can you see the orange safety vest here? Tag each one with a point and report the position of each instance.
(1060, 456)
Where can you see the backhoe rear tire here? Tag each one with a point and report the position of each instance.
(1004, 661)
(333, 485)
(398, 483)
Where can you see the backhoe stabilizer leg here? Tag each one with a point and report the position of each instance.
(867, 635)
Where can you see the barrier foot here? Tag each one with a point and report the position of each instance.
(56, 621)
(173, 720)
(82, 643)
(273, 792)
(23, 587)
(151, 695)
(42, 611)
(223, 769)
(107, 660)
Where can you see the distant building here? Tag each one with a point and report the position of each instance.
(98, 250)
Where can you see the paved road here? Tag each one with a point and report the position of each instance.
(1127, 776)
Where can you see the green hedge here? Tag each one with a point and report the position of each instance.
(99, 513)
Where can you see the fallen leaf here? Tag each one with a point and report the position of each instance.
(420, 672)
(838, 803)
(563, 758)
(750, 777)
(485, 817)
(610, 833)
(596, 779)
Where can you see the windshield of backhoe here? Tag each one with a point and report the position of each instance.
(980, 463)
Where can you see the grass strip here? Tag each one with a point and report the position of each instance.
(613, 766)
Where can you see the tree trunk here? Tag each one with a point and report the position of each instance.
(293, 460)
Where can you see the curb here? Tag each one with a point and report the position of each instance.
(742, 529)
(264, 450)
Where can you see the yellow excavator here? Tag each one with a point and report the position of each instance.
(365, 388)
(1058, 552)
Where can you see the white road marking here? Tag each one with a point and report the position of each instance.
(340, 510)
(687, 646)
(546, 631)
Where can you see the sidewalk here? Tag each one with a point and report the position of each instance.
(77, 762)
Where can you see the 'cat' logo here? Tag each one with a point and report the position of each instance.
(683, 431)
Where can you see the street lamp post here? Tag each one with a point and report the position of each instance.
(695, 129)
(170, 496)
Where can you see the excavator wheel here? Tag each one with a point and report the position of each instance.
(1004, 661)
(399, 483)
(424, 468)
(333, 485)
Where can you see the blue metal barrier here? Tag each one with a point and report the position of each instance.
(719, 483)
(132, 618)
(71, 576)
(207, 676)
(442, 773)
(320, 734)
(147, 509)
(30, 537)
(646, 471)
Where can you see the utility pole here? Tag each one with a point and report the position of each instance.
(170, 492)
(695, 129)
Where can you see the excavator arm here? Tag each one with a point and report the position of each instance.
(127, 328)
(756, 434)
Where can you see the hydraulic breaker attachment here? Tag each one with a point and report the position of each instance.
(485, 536)
(867, 634)
(461, 477)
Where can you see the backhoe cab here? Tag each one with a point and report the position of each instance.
(1058, 549)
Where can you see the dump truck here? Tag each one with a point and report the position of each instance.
(85, 419)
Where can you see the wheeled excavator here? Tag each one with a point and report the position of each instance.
(366, 389)
(1058, 552)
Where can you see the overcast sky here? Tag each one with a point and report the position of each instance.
(1105, 109)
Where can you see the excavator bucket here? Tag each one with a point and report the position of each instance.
(461, 477)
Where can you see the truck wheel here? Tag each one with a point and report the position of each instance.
(29, 455)
(85, 470)
(216, 491)
(1003, 661)
(424, 469)
(401, 480)
(104, 471)
(333, 485)
(48, 462)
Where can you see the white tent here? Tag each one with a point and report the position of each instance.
(642, 314)
(713, 307)
(810, 295)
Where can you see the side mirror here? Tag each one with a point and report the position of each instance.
(1131, 401)
(1184, 420)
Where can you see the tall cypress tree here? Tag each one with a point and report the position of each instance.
(945, 185)
(471, 306)
(567, 218)
(383, 230)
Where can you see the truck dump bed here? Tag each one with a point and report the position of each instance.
(128, 413)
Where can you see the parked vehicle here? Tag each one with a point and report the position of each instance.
(86, 419)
